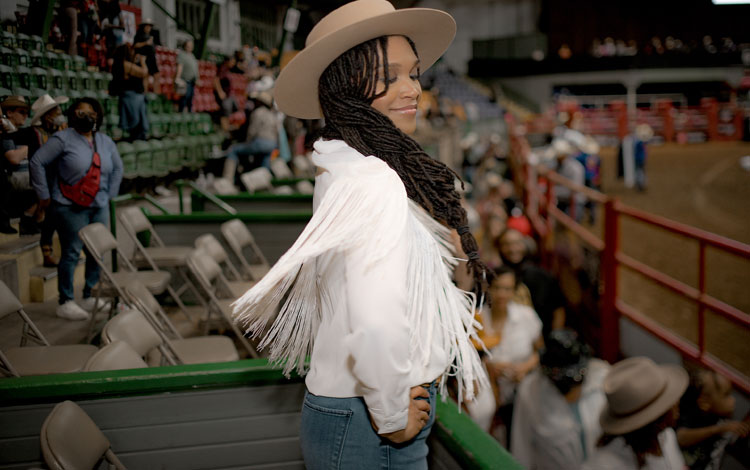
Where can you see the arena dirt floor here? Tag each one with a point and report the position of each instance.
(702, 185)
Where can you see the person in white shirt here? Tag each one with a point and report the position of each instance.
(513, 336)
(637, 422)
(366, 289)
(556, 415)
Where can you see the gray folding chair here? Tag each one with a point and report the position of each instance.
(213, 285)
(115, 356)
(238, 238)
(213, 248)
(99, 241)
(158, 256)
(72, 441)
(42, 358)
(135, 328)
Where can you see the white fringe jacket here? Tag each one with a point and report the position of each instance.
(367, 293)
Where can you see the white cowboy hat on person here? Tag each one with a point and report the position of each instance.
(296, 90)
(42, 105)
(644, 132)
(589, 146)
(638, 392)
(264, 97)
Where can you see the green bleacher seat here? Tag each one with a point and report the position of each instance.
(23, 57)
(36, 43)
(78, 63)
(172, 155)
(53, 60)
(204, 119)
(144, 159)
(5, 92)
(180, 151)
(110, 105)
(129, 162)
(7, 76)
(23, 41)
(72, 85)
(99, 82)
(159, 158)
(216, 140)
(9, 56)
(153, 103)
(8, 39)
(155, 127)
(195, 155)
(56, 83)
(39, 81)
(37, 59)
(86, 81)
(112, 126)
(65, 62)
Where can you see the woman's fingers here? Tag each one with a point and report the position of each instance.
(422, 405)
(419, 391)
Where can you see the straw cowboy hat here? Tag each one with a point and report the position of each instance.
(43, 104)
(264, 97)
(639, 392)
(296, 90)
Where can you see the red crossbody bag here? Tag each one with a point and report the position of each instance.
(84, 191)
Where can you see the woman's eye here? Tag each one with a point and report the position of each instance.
(414, 76)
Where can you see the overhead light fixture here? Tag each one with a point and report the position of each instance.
(730, 2)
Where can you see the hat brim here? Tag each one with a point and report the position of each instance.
(677, 382)
(296, 89)
(42, 111)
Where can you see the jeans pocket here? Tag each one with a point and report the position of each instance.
(323, 432)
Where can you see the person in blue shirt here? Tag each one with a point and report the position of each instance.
(66, 158)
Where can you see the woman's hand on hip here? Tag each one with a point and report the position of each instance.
(419, 414)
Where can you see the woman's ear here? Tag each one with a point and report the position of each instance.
(704, 403)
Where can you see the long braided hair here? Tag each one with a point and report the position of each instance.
(346, 91)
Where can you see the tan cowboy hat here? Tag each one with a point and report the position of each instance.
(644, 132)
(639, 392)
(14, 102)
(43, 104)
(296, 90)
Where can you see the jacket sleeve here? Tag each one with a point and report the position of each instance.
(378, 342)
(39, 162)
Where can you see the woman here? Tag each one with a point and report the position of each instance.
(513, 334)
(642, 408)
(368, 283)
(128, 73)
(143, 44)
(187, 71)
(69, 159)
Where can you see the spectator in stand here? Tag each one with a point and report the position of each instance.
(187, 70)
(262, 137)
(705, 427)
(556, 416)
(513, 334)
(144, 45)
(112, 24)
(589, 158)
(568, 167)
(71, 156)
(546, 296)
(227, 107)
(128, 72)
(46, 119)
(17, 198)
(68, 15)
(642, 407)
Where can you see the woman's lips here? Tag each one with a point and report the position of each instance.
(411, 109)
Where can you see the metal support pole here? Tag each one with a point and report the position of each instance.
(701, 305)
(42, 27)
(200, 45)
(610, 334)
(275, 61)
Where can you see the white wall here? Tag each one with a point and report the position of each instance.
(484, 19)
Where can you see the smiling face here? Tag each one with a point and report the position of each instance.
(400, 101)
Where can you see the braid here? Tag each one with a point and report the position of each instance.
(346, 90)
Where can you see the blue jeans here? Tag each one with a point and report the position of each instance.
(187, 100)
(335, 433)
(69, 220)
(256, 147)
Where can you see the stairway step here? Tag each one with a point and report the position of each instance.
(19, 244)
(43, 282)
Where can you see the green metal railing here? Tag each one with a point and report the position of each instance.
(469, 445)
(211, 197)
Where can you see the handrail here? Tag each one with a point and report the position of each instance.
(543, 212)
(211, 197)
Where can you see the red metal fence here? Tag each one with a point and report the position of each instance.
(537, 185)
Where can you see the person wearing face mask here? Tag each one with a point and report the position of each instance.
(76, 173)
(17, 198)
(46, 119)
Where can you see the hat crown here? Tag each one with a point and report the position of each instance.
(632, 385)
(42, 102)
(347, 15)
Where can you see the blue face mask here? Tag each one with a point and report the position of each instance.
(59, 121)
